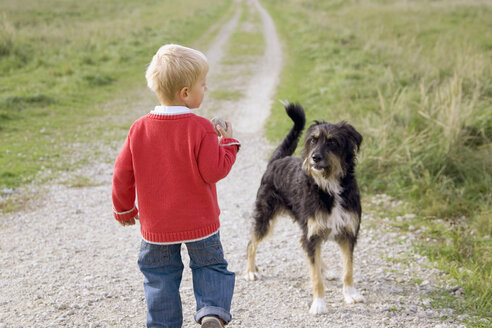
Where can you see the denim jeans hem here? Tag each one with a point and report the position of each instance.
(213, 311)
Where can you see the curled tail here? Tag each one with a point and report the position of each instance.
(289, 144)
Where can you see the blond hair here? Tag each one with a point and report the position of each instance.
(174, 67)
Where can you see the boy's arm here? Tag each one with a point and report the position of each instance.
(216, 158)
(123, 192)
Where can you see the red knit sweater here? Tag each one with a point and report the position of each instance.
(172, 162)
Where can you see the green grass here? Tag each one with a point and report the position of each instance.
(247, 41)
(62, 61)
(226, 95)
(415, 79)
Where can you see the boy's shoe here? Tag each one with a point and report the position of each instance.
(212, 322)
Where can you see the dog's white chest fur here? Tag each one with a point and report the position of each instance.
(332, 224)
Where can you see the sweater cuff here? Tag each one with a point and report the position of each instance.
(230, 142)
(126, 215)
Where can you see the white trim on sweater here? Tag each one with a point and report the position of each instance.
(231, 144)
(180, 242)
(125, 212)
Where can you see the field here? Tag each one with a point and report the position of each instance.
(415, 78)
(62, 61)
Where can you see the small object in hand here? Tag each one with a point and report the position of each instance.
(218, 121)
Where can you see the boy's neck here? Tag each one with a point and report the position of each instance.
(171, 104)
(164, 105)
(175, 102)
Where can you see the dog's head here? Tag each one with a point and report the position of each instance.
(330, 150)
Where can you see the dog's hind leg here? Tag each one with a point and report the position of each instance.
(313, 250)
(264, 218)
(350, 293)
(251, 269)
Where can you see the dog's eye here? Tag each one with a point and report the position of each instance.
(314, 140)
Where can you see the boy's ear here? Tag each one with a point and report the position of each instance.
(183, 93)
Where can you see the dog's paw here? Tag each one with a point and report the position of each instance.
(330, 275)
(252, 275)
(351, 295)
(318, 306)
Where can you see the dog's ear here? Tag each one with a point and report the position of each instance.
(354, 137)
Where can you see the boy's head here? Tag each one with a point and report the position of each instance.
(172, 68)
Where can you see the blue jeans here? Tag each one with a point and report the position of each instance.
(162, 267)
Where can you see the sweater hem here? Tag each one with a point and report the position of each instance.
(182, 241)
(179, 237)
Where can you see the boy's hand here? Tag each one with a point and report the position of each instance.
(227, 133)
(129, 222)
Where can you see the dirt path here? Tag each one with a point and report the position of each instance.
(66, 263)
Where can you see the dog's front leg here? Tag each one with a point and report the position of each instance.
(319, 305)
(350, 293)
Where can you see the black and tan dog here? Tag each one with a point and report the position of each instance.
(319, 191)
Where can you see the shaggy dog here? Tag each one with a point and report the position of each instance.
(319, 191)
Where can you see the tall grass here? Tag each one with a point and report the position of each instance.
(415, 78)
(7, 36)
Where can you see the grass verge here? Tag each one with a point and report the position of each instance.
(414, 78)
(62, 62)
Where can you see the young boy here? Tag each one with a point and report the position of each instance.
(172, 159)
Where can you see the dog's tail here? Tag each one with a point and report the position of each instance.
(289, 144)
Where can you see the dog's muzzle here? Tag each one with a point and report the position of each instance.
(317, 162)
